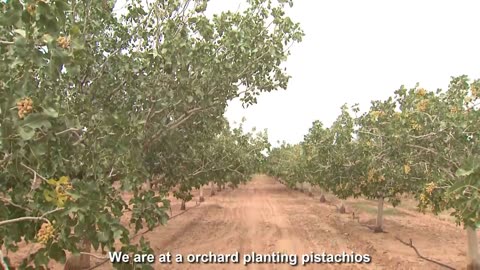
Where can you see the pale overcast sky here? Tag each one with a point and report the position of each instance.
(355, 51)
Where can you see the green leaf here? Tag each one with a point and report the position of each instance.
(40, 258)
(57, 253)
(50, 112)
(10, 18)
(39, 149)
(36, 120)
(71, 209)
(73, 123)
(117, 234)
(102, 237)
(75, 30)
(48, 195)
(461, 172)
(26, 133)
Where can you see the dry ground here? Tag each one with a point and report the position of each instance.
(264, 216)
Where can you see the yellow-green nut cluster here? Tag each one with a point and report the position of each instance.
(45, 233)
(63, 42)
(430, 187)
(25, 107)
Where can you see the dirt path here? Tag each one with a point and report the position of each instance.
(253, 218)
(266, 217)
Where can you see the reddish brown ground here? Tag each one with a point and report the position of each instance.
(264, 216)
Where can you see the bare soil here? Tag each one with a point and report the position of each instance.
(264, 217)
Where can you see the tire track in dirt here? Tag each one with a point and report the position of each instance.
(262, 217)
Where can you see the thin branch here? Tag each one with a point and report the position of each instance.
(79, 141)
(369, 133)
(2, 261)
(150, 114)
(422, 257)
(6, 157)
(110, 95)
(422, 136)
(95, 256)
(422, 148)
(140, 234)
(111, 173)
(175, 124)
(14, 204)
(184, 118)
(5, 222)
(42, 217)
(67, 130)
(34, 172)
(4, 42)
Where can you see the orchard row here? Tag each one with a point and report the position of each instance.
(418, 142)
(94, 104)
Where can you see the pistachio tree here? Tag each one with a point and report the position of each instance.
(283, 161)
(89, 97)
(385, 168)
(445, 147)
(419, 142)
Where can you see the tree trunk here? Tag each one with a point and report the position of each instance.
(341, 210)
(81, 261)
(322, 198)
(202, 199)
(379, 225)
(212, 189)
(219, 187)
(183, 206)
(310, 193)
(473, 257)
(298, 186)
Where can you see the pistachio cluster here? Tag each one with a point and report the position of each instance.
(422, 105)
(63, 42)
(430, 187)
(421, 92)
(45, 233)
(25, 107)
(31, 9)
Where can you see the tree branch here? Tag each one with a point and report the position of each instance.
(423, 136)
(2, 261)
(422, 148)
(95, 256)
(4, 42)
(42, 217)
(5, 159)
(67, 130)
(422, 257)
(137, 235)
(175, 124)
(14, 204)
(34, 172)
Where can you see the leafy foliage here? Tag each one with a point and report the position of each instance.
(110, 102)
(416, 142)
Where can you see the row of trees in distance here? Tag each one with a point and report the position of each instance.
(419, 142)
